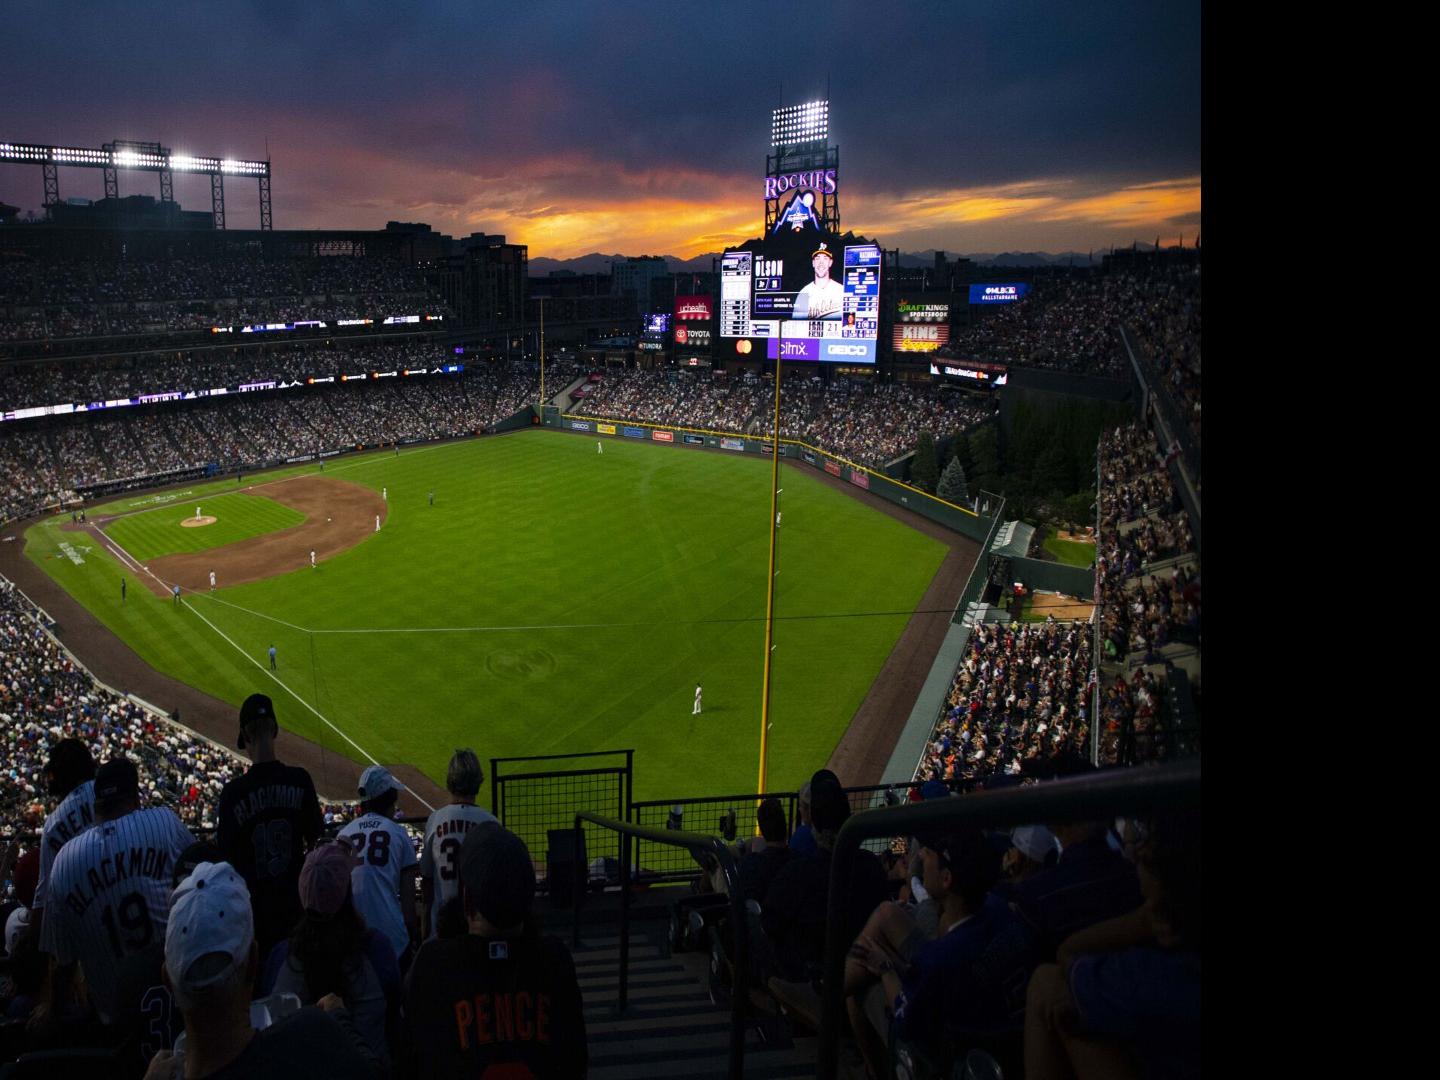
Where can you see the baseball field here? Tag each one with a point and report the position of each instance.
(550, 600)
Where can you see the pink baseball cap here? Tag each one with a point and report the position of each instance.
(325, 877)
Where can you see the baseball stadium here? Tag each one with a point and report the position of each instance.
(770, 608)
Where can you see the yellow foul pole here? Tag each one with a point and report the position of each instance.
(542, 359)
(770, 580)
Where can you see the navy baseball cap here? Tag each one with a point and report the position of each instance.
(117, 779)
(257, 708)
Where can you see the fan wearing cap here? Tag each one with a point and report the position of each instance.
(794, 911)
(210, 966)
(268, 817)
(929, 984)
(500, 994)
(70, 777)
(384, 882)
(333, 952)
(824, 297)
(444, 832)
(110, 886)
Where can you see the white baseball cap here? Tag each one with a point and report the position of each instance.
(209, 915)
(1034, 842)
(376, 781)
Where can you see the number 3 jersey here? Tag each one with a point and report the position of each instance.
(439, 858)
(110, 896)
(385, 852)
(268, 818)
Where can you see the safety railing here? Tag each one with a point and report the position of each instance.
(696, 844)
(1091, 798)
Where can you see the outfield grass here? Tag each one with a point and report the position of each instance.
(552, 601)
(151, 533)
(1069, 552)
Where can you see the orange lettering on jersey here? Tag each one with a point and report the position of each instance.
(504, 1018)
(523, 1010)
(483, 1032)
(542, 1018)
(464, 1016)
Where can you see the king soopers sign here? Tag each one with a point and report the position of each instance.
(821, 180)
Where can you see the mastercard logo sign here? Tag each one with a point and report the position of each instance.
(742, 346)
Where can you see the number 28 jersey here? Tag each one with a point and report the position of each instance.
(384, 851)
(440, 856)
(110, 896)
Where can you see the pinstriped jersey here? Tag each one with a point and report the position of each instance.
(110, 896)
(74, 815)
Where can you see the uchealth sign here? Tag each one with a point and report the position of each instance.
(692, 309)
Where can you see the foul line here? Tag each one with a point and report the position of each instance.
(249, 611)
(360, 749)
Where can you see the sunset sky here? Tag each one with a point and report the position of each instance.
(634, 128)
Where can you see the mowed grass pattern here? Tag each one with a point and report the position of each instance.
(554, 600)
(149, 534)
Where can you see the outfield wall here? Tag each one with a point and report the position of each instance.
(951, 515)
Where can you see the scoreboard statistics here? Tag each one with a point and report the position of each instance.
(809, 297)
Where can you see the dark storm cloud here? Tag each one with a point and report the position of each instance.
(374, 105)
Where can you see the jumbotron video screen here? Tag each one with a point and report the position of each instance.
(808, 295)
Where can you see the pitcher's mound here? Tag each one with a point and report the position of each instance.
(197, 523)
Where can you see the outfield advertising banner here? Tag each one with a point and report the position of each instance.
(832, 467)
(809, 457)
(635, 433)
(663, 436)
(694, 440)
(605, 429)
(580, 425)
(860, 479)
(732, 444)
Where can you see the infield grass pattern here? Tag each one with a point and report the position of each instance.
(554, 600)
(149, 534)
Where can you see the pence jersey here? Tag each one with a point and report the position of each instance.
(384, 851)
(110, 896)
(444, 833)
(74, 815)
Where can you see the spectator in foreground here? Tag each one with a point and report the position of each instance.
(210, 965)
(384, 881)
(70, 776)
(333, 952)
(499, 999)
(444, 833)
(268, 818)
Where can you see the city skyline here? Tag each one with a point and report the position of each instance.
(629, 128)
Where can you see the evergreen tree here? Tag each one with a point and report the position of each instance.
(952, 483)
(924, 471)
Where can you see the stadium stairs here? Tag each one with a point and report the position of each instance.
(671, 1028)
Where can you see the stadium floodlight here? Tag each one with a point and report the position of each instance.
(795, 124)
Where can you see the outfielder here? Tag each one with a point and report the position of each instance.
(377, 522)
(696, 711)
(110, 887)
(385, 494)
(599, 446)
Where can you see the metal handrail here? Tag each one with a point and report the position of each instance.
(696, 843)
(1096, 797)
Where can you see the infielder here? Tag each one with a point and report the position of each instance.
(175, 592)
(385, 494)
(377, 522)
(312, 558)
(110, 887)
(696, 711)
(212, 580)
(197, 513)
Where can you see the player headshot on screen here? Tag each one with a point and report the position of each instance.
(823, 297)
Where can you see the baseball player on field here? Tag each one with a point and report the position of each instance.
(212, 580)
(384, 883)
(696, 711)
(109, 890)
(444, 833)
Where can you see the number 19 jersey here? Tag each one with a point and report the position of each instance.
(110, 896)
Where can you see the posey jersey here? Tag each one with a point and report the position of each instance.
(110, 896)
(74, 815)
(444, 833)
(385, 852)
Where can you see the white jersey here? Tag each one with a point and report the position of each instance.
(110, 896)
(385, 850)
(439, 858)
(820, 300)
(74, 815)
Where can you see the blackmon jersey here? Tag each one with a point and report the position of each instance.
(444, 833)
(74, 815)
(384, 851)
(110, 896)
